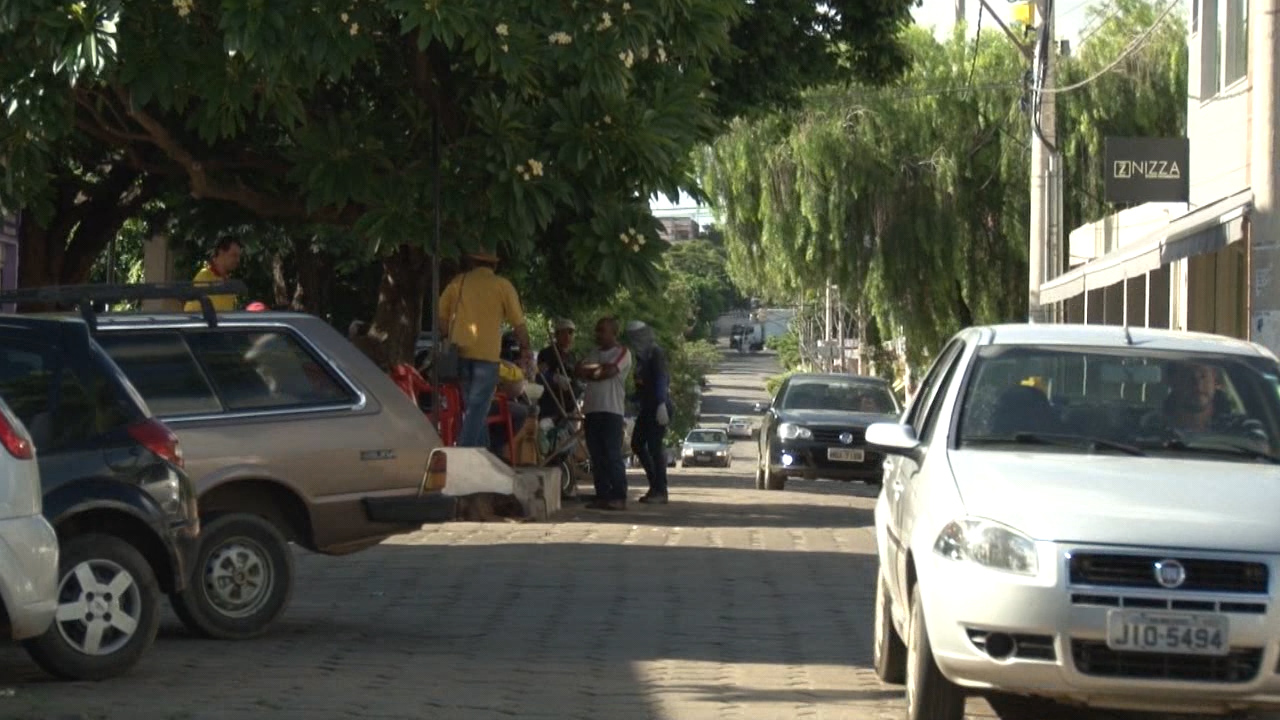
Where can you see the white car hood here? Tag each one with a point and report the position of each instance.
(1124, 500)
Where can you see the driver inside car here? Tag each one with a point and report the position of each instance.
(1196, 405)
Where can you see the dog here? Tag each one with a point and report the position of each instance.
(489, 507)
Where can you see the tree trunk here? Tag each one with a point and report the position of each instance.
(314, 292)
(406, 278)
(279, 282)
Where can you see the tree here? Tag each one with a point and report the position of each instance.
(1145, 95)
(912, 198)
(699, 267)
(555, 121)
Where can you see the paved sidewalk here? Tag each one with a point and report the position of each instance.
(728, 603)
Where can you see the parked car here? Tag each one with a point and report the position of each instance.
(1084, 513)
(741, 427)
(815, 427)
(113, 490)
(291, 435)
(28, 545)
(706, 446)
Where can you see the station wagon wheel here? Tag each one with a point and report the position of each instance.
(930, 695)
(242, 579)
(108, 610)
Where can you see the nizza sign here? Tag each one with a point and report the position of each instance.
(1140, 170)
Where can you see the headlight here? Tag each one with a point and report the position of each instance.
(720, 453)
(791, 431)
(989, 544)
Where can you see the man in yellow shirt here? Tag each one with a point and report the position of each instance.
(471, 310)
(226, 258)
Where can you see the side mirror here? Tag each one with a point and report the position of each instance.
(894, 439)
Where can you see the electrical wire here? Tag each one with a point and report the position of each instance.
(977, 42)
(1134, 46)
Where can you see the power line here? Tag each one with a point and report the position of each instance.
(1134, 46)
(977, 43)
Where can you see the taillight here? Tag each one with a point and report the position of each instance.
(159, 439)
(14, 437)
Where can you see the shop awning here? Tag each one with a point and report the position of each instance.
(1203, 230)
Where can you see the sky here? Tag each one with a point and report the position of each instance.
(1072, 20)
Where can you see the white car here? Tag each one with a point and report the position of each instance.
(28, 545)
(1085, 513)
(740, 427)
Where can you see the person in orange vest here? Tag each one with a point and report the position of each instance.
(225, 259)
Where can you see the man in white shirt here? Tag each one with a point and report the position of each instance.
(605, 371)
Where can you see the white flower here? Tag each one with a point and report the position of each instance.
(608, 120)
(631, 231)
(626, 7)
(662, 55)
(535, 167)
(183, 7)
(501, 29)
(635, 248)
(505, 48)
(628, 58)
(623, 237)
(639, 241)
(560, 38)
(355, 29)
(606, 22)
(345, 18)
(644, 53)
(520, 168)
(525, 176)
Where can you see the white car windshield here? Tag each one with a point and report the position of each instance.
(840, 395)
(705, 436)
(1132, 400)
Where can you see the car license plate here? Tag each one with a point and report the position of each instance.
(1182, 634)
(844, 455)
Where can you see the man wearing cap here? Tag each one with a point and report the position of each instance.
(555, 367)
(471, 311)
(652, 386)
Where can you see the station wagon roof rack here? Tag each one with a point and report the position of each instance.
(83, 297)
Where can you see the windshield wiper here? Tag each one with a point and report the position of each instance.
(1220, 447)
(1091, 443)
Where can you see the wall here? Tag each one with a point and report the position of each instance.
(1217, 168)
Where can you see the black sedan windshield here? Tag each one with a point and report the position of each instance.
(840, 395)
(1134, 400)
(705, 437)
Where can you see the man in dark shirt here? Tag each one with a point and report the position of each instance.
(555, 373)
(652, 393)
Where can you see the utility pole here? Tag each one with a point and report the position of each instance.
(826, 332)
(959, 11)
(1043, 164)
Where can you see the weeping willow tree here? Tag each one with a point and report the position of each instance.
(912, 198)
(915, 198)
(1143, 95)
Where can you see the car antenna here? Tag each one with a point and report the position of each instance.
(1128, 339)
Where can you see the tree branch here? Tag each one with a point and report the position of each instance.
(204, 186)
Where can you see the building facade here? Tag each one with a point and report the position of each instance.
(678, 229)
(1207, 266)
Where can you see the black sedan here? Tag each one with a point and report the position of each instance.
(815, 427)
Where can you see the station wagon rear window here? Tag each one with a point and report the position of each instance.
(196, 372)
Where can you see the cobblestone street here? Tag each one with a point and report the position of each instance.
(728, 603)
